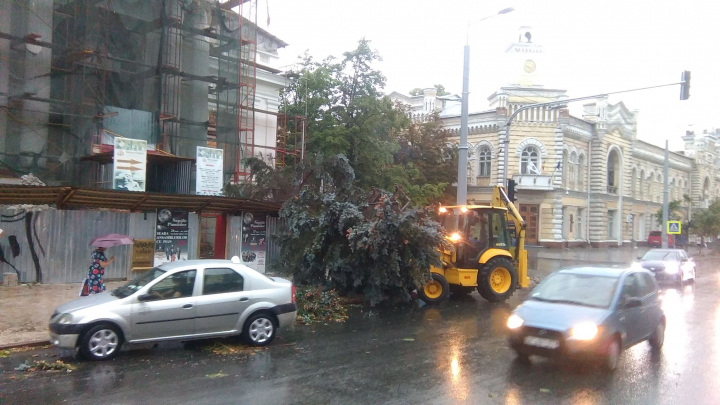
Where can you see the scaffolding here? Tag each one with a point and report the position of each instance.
(76, 73)
(290, 140)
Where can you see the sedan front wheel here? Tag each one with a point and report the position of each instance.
(101, 342)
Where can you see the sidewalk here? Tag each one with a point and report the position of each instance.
(26, 309)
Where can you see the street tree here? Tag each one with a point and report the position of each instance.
(674, 212)
(348, 114)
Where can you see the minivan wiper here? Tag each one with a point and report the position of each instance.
(571, 302)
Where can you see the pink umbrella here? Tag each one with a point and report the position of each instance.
(113, 239)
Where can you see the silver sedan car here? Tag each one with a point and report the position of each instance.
(177, 301)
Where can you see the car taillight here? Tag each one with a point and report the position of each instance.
(293, 293)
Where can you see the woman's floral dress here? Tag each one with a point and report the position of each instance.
(95, 276)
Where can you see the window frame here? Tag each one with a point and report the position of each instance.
(526, 157)
(149, 289)
(484, 162)
(201, 289)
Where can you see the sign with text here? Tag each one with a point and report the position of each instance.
(254, 238)
(674, 227)
(143, 253)
(129, 164)
(209, 175)
(171, 236)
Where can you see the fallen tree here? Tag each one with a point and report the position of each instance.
(338, 237)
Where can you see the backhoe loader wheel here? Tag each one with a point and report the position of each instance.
(497, 280)
(436, 291)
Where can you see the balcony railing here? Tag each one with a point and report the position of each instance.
(612, 190)
(533, 182)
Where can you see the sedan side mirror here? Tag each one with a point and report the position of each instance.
(146, 297)
(633, 303)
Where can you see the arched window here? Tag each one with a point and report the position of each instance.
(641, 187)
(572, 169)
(581, 173)
(485, 160)
(530, 161)
(633, 185)
(613, 172)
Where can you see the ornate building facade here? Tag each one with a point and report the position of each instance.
(580, 180)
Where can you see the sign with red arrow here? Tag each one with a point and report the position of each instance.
(129, 164)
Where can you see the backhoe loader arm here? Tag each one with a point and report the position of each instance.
(500, 199)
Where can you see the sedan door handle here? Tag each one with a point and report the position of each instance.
(187, 306)
(244, 299)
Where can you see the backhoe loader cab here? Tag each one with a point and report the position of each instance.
(487, 254)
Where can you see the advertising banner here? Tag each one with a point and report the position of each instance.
(209, 175)
(171, 236)
(129, 164)
(254, 237)
(143, 253)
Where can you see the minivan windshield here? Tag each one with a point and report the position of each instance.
(578, 289)
(138, 283)
(659, 255)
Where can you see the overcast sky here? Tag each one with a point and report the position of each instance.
(590, 47)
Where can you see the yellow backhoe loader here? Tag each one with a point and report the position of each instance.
(487, 252)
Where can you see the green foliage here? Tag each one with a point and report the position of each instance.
(316, 305)
(706, 223)
(335, 238)
(349, 115)
(675, 212)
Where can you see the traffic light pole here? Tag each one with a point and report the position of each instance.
(665, 198)
(684, 95)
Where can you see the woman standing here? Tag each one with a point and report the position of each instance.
(97, 271)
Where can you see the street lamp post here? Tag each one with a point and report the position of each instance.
(463, 148)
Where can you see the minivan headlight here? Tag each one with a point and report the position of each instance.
(65, 319)
(514, 322)
(584, 331)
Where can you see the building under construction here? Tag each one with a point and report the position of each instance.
(75, 74)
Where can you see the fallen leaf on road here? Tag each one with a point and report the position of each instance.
(217, 375)
(544, 390)
(409, 339)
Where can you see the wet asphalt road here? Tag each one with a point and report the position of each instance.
(455, 353)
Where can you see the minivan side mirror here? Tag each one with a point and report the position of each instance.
(633, 303)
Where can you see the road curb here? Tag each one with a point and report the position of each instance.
(34, 343)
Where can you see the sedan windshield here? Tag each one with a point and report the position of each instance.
(659, 255)
(138, 283)
(579, 289)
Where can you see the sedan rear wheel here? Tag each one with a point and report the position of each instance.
(259, 330)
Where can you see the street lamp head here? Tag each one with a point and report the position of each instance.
(506, 10)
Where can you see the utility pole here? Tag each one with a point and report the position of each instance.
(666, 166)
(463, 149)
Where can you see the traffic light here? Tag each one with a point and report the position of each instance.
(511, 190)
(685, 85)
